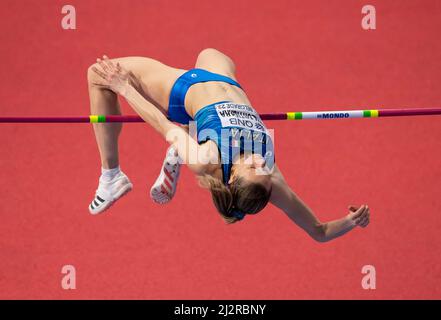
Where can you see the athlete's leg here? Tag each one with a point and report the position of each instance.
(105, 102)
(113, 183)
(151, 79)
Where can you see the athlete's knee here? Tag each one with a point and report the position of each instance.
(211, 52)
(208, 51)
(216, 55)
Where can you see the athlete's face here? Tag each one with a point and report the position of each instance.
(251, 167)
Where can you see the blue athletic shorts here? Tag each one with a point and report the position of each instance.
(176, 107)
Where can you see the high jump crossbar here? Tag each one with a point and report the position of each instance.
(317, 115)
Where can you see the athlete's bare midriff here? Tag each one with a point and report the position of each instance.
(202, 94)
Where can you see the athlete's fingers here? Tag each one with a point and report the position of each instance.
(358, 221)
(364, 225)
(358, 213)
(109, 63)
(103, 65)
(100, 84)
(119, 69)
(353, 208)
(99, 72)
(362, 215)
(363, 219)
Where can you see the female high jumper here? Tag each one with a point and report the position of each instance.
(231, 153)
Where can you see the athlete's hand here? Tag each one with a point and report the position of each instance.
(112, 76)
(359, 216)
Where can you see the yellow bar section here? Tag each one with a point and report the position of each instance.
(291, 115)
(93, 119)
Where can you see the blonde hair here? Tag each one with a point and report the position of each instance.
(248, 197)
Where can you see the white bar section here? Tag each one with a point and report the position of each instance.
(333, 114)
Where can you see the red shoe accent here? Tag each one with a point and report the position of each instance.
(168, 184)
(163, 189)
(168, 175)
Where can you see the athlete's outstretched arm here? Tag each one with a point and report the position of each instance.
(115, 78)
(284, 198)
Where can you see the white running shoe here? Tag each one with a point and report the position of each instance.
(165, 185)
(108, 192)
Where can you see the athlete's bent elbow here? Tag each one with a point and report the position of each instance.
(319, 234)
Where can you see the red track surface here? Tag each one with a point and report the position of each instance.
(290, 56)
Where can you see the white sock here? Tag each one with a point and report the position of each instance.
(108, 174)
